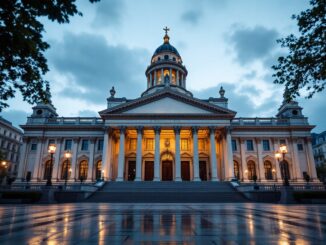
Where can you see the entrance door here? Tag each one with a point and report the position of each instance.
(202, 170)
(185, 170)
(149, 171)
(167, 173)
(131, 170)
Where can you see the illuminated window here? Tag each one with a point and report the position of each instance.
(83, 168)
(201, 145)
(149, 144)
(132, 144)
(184, 144)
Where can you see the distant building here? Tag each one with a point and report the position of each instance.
(167, 135)
(319, 148)
(10, 142)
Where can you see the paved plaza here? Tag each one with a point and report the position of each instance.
(162, 224)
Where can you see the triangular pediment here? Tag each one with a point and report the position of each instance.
(168, 102)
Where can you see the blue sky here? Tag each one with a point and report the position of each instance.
(222, 42)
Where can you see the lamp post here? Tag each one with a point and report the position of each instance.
(67, 156)
(281, 153)
(51, 150)
(3, 170)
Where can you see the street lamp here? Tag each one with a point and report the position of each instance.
(281, 153)
(67, 156)
(51, 150)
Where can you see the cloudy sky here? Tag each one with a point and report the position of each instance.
(222, 42)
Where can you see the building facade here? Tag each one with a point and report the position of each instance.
(167, 135)
(10, 143)
(319, 148)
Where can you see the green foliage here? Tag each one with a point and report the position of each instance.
(22, 61)
(304, 67)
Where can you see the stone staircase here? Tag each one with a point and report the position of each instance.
(167, 192)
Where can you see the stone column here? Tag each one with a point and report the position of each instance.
(157, 154)
(106, 170)
(162, 76)
(170, 76)
(155, 78)
(90, 171)
(261, 168)
(22, 161)
(230, 153)
(56, 165)
(177, 154)
(196, 156)
(213, 154)
(277, 163)
(295, 162)
(74, 170)
(243, 159)
(311, 161)
(177, 78)
(139, 153)
(38, 159)
(150, 80)
(181, 83)
(121, 158)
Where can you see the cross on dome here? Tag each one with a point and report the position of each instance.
(166, 29)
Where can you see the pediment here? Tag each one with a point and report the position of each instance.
(168, 102)
(167, 106)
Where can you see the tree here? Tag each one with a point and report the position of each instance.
(304, 67)
(22, 61)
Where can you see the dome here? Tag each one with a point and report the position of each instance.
(166, 47)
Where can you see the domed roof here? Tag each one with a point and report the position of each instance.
(166, 47)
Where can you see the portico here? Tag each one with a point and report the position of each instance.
(161, 153)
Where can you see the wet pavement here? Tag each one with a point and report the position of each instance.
(90, 223)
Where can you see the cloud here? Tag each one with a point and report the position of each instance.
(16, 117)
(108, 13)
(92, 67)
(240, 100)
(88, 113)
(192, 16)
(251, 44)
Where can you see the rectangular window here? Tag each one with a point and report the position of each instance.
(150, 144)
(300, 147)
(282, 142)
(250, 145)
(266, 146)
(201, 145)
(100, 145)
(84, 146)
(132, 144)
(33, 147)
(234, 145)
(68, 144)
(184, 145)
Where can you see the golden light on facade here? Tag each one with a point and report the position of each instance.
(3, 163)
(278, 155)
(67, 154)
(283, 149)
(52, 148)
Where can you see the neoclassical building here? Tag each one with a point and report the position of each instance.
(167, 135)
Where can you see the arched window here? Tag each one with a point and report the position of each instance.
(268, 170)
(47, 169)
(65, 170)
(236, 169)
(98, 170)
(285, 170)
(83, 168)
(251, 169)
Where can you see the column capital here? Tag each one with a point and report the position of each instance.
(228, 129)
(157, 129)
(122, 129)
(212, 129)
(140, 129)
(25, 139)
(76, 139)
(194, 129)
(93, 140)
(177, 129)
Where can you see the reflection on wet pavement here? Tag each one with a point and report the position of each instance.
(163, 224)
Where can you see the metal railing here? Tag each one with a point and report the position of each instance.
(296, 187)
(269, 121)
